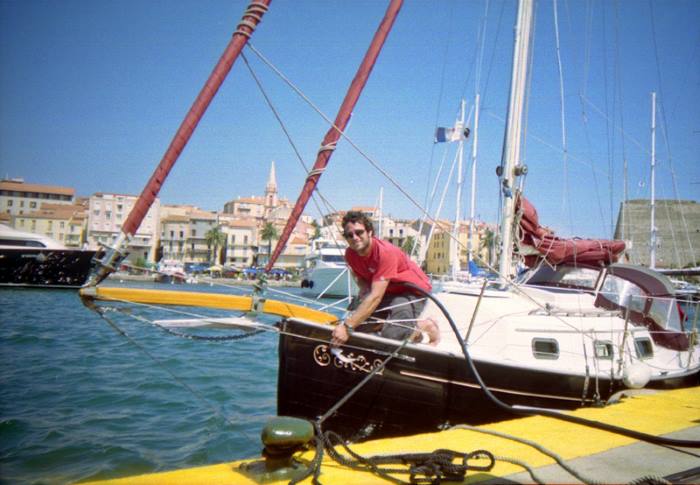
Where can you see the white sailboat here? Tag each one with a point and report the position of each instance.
(572, 336)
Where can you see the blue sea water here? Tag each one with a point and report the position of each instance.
(80, 401)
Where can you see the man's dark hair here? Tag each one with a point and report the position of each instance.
(357, 216)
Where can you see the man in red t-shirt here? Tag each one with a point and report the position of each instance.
(380, 268)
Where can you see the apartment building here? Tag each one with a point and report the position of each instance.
(63, 222)
(18, 198)
(107, 213)
(241, 242)
(174, 234)
(438, 256)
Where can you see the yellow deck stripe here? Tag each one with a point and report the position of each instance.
(208, 300)
(657, 414)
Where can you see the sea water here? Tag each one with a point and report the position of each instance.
(79, 400)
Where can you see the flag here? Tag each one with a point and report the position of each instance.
(457, 133)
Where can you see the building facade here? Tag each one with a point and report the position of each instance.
(107, 213)
(19, 198)
(677, 232)
(63, 222)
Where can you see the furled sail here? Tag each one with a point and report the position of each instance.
(557, 250)
(251, 18)
(341, 121)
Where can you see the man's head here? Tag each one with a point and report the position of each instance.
(358, 231)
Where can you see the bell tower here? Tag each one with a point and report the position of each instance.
(271, 197)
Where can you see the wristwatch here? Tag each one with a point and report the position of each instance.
(347, 327)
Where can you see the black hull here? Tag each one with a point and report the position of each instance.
(427, 391)
(47, 268)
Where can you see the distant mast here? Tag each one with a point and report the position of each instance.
(510, 167)
(454, 240)
(341, 121)
(472, 208)
(652, 241)
(251, 18)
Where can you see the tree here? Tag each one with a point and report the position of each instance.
(140, 264)
(488, 242)
(317, 230)
(215, 238)
(269, 233)
(408, 244)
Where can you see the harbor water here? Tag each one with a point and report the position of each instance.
(81, 401)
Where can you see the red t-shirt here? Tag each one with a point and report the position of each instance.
(387, 262)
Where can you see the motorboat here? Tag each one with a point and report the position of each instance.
(28, 259)
(325, 271)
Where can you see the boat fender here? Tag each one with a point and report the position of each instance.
(282, 436)
(304, 283)
(636, 376)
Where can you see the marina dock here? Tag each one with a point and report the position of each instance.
(594, 455)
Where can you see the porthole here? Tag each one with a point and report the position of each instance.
(545, 348)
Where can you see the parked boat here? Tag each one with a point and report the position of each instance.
(557, 344)
(28, 259)
(325, 272)
(171, 271)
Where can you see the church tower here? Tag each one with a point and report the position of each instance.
(271, 197)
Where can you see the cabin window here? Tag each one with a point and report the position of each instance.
(545, 348)
(20, 243)
(664, 311)
(644, 348)
(623, 293)
(603, 349)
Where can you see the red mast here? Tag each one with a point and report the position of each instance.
(341, 121)
(251, 18)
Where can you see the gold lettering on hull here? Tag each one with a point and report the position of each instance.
(356, 362)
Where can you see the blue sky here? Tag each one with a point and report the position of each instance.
(91, 93)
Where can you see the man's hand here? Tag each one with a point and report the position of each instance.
(340, 335)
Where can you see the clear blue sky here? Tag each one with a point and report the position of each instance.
(91, 93)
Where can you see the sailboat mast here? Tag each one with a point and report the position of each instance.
(511, 147)
(652, 242)
(251, 18)
(380, 226)
(333, 135)
(454, 241)
(472, 207)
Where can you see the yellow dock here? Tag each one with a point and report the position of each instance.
(598, 455)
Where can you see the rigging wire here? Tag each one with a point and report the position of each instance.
(610, 130)
(526, 410)
(564, 144)
(216, 409)
(372, 162)
(665, 130)
(275, 112)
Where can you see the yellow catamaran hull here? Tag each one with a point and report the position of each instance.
(206, 300)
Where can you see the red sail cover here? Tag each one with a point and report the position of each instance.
(557, 250)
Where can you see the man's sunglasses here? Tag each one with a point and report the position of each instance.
(358, 233)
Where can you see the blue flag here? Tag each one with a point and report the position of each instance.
(451, 134)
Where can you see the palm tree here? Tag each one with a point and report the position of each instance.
(488, 242)
(317, 230)
(408, 243)
(269, 233)
(215, 237)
